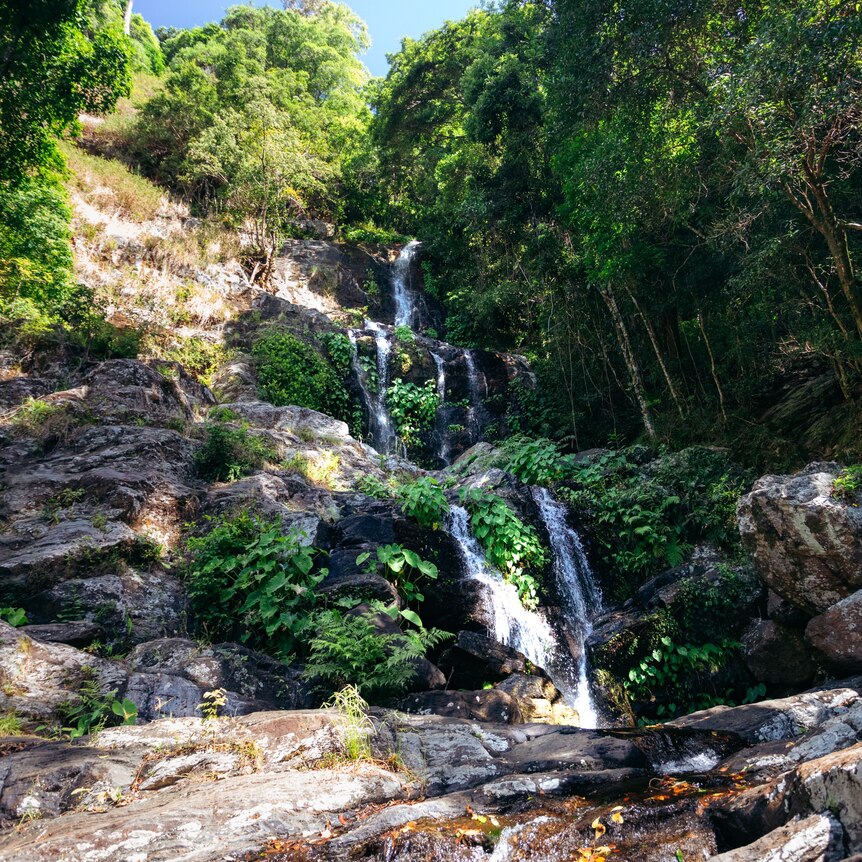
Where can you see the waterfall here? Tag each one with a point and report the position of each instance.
(401, 275)
(382, 431)
(512, 625)
(444, 450)
(577, 587)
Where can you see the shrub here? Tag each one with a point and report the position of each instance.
(248, 580)
(413, 409)
(14, 616)
(404, 334)
(405, 569)
(291, 373)
(229, 453)
(339, 350)
(536, 462)
(678, 679)
(347, 650)
(645, 518)
(92, 709)
(424, 502)
(510, 545)
(371, 486)
(199, 356)
(848, 484)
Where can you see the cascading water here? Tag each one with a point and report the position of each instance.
(405, 300)
(578, 590)
(512, 625)
(382, 432)
(444, 452)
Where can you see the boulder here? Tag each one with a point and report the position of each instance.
(489, 705)
(837, 634)
(36, 677)
(498, 659)
(818, 838)
(131, 605)
(777, 655)
(169, 677)
(807, 545)
(76, 634)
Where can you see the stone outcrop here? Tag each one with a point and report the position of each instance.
(807, 545)
(837, 634)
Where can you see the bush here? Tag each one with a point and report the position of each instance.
(346, 650)
(291, 373)
(413, 409)
(424, 502)
(371, 486)
(510, 545)
(646, 517)
(249, 581)
(199, 356)
(93, 710)
(848, 484)
(536, 462)
(229, 453)
(405, 569)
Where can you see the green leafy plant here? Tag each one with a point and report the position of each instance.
(248, 580)
(231, 452)
(291, 372)
(14, 616)
(340, 351)
(10, 724)
(347, 649)
(672, 678)
(848, 484)
(405, 569)
(93, 709)
(536, 462)
(413, 409)
(404, 334)
(371, 486)
(424, 502)
(510, 545)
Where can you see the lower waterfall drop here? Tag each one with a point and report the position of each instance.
(512, 625)
(579, 592)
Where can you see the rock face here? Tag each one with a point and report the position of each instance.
(777, 655)
(807, 545)
(837, 634)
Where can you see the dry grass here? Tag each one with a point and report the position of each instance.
(109, 185)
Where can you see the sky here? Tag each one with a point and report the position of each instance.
(388, 20)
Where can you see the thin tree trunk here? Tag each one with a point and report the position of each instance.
(127, 21)
(712, 367)
(658, 355)
(629, 359)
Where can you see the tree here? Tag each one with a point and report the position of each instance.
(57, 59)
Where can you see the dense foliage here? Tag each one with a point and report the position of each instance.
(657, 201)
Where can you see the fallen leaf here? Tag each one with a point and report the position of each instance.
(599, 827)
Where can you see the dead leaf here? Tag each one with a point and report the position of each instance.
(599, 827)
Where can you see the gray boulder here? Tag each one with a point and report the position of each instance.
(807, 545)
(777, 655)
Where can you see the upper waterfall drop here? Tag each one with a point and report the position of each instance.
(579, 592)
(402, 289)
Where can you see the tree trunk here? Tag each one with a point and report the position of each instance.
(712, 367)
(127, 21)
(658, 355)
(629, 359)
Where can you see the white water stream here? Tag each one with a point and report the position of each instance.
(402, 291)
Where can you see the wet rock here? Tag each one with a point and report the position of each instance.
(76, 634)
(36, 677)
(171, 676)
(807, 545)
(499, 659)
(487, 705)
(837, 634)
(777, 654)
(818, 838)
